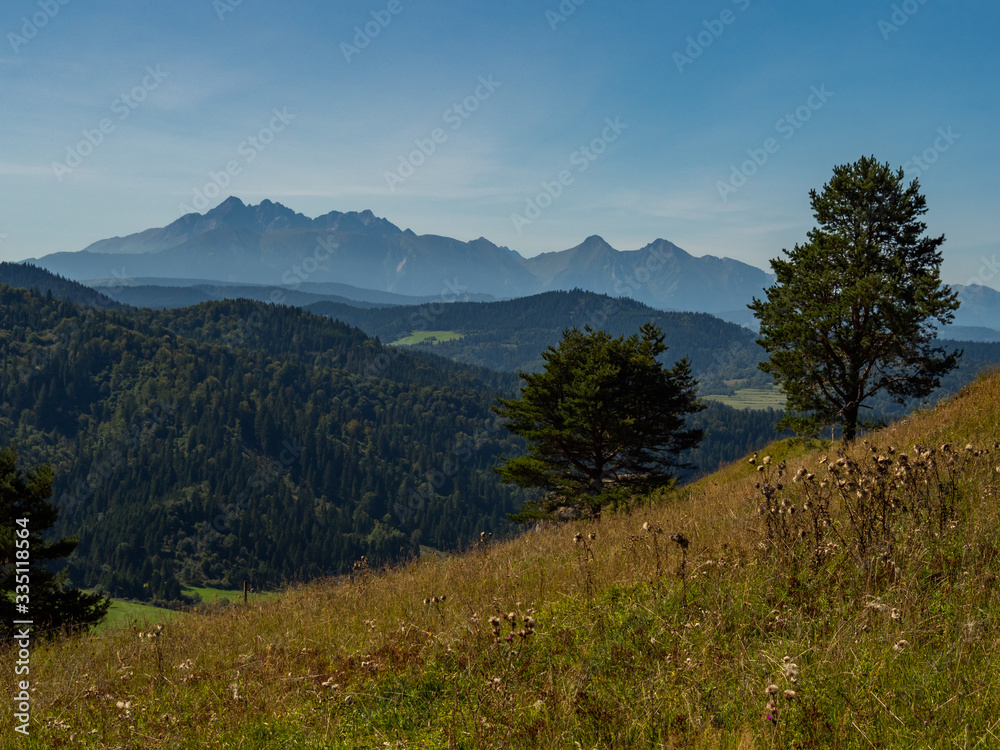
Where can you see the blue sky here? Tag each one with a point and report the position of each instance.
(622, 119)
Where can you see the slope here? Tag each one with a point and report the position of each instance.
(682, 624)
(236, 440)
(510, 335)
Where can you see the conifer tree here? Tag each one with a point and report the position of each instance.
(34, 592)
(604, 418)
(854, 309)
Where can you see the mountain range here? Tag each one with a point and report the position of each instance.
(360, 257)
(269, 244)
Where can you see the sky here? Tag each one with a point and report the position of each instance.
(533, 124)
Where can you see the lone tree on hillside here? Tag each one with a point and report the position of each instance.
(852, 311)
(33, 592)
(603, 419)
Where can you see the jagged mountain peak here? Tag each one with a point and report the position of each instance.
(237, 242)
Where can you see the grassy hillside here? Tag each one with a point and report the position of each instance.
(702, 620)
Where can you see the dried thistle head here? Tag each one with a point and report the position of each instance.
(680, 539)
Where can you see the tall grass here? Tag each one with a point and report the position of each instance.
(689, 623)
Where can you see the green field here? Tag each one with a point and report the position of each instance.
(753, 398)
(212, 596)
(420, 337)
(123, 613)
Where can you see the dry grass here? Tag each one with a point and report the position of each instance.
(633, 640)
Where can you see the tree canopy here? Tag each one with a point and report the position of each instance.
(853, 310)
(602, 418)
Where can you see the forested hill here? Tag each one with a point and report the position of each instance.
(32, 277)
(286, 452)
(511, 334)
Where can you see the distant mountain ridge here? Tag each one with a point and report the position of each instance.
(271, 244)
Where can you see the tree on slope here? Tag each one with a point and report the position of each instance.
(853, 309)
(604, 418)
(33, 592)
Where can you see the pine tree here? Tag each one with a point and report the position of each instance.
(33, 592)
(603, 420)
(852, 311)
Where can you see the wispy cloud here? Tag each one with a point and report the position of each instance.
(24, 170)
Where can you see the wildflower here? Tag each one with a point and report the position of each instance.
(790, 670)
